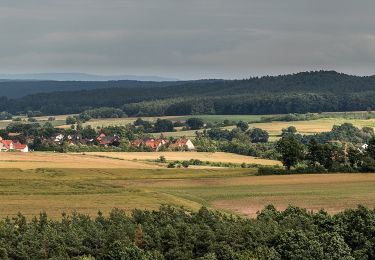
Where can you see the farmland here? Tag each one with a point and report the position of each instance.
(140, 160)
(37, 160)
(313, 126)
(180, 156)
(237, 191)
(323, 124)
(93, 181)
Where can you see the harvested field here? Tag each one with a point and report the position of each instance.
(313, 126)
(60, 160)
(173, 156)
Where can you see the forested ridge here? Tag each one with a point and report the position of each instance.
(297, 93)
(20, 88)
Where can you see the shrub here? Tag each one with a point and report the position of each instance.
(185, 164)
(162, 159)
(171, 165)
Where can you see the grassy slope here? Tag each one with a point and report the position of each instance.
(232, 190)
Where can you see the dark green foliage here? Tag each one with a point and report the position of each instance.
(195, 123)
(371, 148)
(344, 133)
(297, 93)
(172, 233)
(163, 125)
(321, 153)
(70, 120)
(146, 126)
(34, 113)
(185, 164)
(5, 116)
(103, 112)
(291, 130)
(32, 120)
(291, 150)
(242, 125)
(258, 135)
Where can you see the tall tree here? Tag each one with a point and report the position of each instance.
(291, 150)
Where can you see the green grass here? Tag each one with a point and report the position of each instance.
(237, 191)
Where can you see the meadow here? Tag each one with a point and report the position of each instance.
(237, 191)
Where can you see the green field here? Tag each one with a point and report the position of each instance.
(230, 190)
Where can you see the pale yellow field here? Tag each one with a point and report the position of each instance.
(313, 126)
(173, 156)
(36, 160)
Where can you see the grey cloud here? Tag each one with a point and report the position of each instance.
(187, 39)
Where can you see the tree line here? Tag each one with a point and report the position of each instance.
(344, 149)
(174, 233)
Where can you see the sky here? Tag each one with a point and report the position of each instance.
(187, 39)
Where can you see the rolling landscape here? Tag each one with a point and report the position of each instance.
(178, 130)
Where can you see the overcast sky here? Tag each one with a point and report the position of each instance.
(187, 38)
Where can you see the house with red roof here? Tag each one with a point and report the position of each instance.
(154, 144)
(24, 148)
(108, 140)
(137, 143)
(7, 145)
(183, 144)
(10, 145)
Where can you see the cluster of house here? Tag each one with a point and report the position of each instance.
(104, 140)
(10, 146)
(182, 144)
(156, 144)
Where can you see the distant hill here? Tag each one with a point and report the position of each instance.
(296, 93)
(20, 88)
(80, 77)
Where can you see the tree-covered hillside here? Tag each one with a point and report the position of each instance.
(21, 88)
(296, 93)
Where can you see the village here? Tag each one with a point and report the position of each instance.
(146, 144)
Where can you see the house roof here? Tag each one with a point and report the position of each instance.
(181, 141)
(101, 136)
(19, 146)
(136, 143)
(154, 143)
(109, 140)
(7, 143)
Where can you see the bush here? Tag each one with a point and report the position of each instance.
(162, 159)
(185, 164)
(103, 112)
(195, 123)
(32, 120)
(276, 170)
(195, 162)
(171, 165)
(70, 120)
(5, 116)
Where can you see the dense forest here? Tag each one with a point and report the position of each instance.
(172, 233)
(20, 88)
(296, 93)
